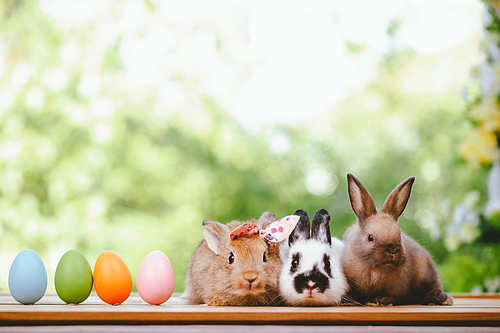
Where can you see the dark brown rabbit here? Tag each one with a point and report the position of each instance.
(383, 265)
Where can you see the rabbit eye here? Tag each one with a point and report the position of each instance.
(326, 261)
(370, 238)
(295, 262)
(231, 258)
(328, 266)
(264, 257)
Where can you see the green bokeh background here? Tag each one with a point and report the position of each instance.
(93, 164)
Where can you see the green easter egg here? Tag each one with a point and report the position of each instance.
(73, 279)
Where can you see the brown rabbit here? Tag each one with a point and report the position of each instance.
(383, 265)
(233, 272)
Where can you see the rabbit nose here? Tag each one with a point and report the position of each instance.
(312, 284)
(250, 277)
(392, 253)
(251, 280)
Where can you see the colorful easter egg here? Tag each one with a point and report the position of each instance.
(155, 279)
(27, 277)
(112, 278)
(73, 278)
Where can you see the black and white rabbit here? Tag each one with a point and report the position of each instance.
(311, 273)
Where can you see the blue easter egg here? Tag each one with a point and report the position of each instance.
(27, 277)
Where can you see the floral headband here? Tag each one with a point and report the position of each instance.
(274, 233)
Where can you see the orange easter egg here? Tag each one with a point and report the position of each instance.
(112, 278)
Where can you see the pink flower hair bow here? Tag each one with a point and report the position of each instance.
(274, 233)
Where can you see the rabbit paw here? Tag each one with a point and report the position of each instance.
(438, 297)
(217, 303)
(381, 301)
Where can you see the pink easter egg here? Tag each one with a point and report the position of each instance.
(155, 278)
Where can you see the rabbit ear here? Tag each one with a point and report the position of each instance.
(321, 226)
(361, 201)
(215, 234)
(396, 202)
(266, 219)
(301, 231)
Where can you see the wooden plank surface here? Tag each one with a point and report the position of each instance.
(245, 329)
(50, 310)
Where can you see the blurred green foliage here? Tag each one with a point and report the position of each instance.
(87, 163)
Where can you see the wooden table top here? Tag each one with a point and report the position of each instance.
(50, 310)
